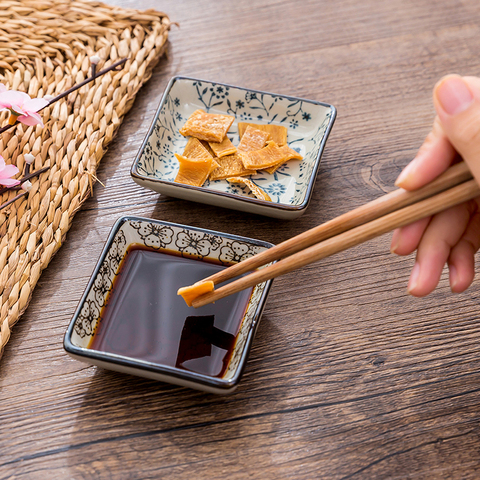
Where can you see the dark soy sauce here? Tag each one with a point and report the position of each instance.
(145, 319)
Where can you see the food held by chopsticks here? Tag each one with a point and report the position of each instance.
(394, 210)
(194, 291)
(210, 154)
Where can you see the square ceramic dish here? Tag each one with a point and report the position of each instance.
(290, 187)
(185, 244)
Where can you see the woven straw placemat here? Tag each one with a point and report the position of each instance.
(45, 47)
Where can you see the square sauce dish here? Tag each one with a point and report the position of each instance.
(308, 124)
(131, 320)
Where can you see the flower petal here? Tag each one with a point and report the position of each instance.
(14, 97)
(9, 182)
(4, 100)
(31, 118)
(8, 171)
(16, 110)
(34, 104)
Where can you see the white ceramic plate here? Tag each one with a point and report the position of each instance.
(290, 187)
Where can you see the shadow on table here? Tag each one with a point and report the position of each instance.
(126, 422)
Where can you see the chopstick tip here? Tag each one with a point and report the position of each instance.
(192, 292)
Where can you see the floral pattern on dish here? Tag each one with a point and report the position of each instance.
(179, 240)
(308, 125)
(189, 242)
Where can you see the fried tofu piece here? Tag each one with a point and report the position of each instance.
(199, 150)
(225, 147)
(214, 165)
(230, 166)
(193, 171)
(255, 189)
(267, 157)
(290, 155)
(211, 127)
(277, 133)
(196, 149)
(190, 293)
(273, 169)
(207, 146)
(253, 139)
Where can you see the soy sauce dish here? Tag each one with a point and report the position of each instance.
(131, 320)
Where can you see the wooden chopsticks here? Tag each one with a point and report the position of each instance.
(373, 219)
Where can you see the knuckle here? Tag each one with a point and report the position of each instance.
(472, 207)
(468, 133)
(437, 129)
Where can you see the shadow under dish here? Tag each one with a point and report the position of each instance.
(143, 317)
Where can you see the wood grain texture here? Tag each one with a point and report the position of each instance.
(349, 377)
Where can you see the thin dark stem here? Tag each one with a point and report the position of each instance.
(14, 199)
(33, 174)
(81, 84)
(24, 179)
(28, 175)
(75, 87)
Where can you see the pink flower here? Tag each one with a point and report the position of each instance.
(7, 171)
(22, 106)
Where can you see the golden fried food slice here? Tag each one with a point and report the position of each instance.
(253, 139)
(211, 127)
(198, 149)
(273, 169)
(193, 171)
(189, 294)
(255, 189)
(195, 149)
(264, 158)
(230, 166)
(277, 133)
(207, 146)
(225, 147)
(213, 166)
(290, 155)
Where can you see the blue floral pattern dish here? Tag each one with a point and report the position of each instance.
(290, 187)
(183, 241)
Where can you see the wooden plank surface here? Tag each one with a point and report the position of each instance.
(349, 377)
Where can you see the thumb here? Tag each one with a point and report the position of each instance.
(457, 102)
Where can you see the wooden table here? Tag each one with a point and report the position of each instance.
(349, 377)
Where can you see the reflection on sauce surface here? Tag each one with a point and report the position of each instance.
(146, 320)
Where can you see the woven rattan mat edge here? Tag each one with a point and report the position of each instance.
(49, 44)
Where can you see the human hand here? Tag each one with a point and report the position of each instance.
(452, 236)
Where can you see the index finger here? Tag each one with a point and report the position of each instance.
(433, 158)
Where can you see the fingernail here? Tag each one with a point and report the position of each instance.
(453, 277)
(406, 172)
(453, 95)
(395, 241)
(413, 277)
